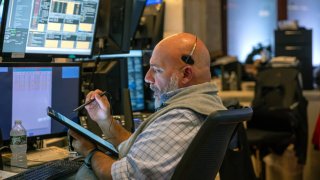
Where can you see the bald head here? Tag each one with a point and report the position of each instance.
(182, 44)
(169, 71)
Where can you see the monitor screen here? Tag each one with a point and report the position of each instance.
(136, 80)
(28, 89)
(152, 2)
(48, 28)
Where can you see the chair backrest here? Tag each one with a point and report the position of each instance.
(279, 106)
(278, 94)
(204, 156)
(277, 87)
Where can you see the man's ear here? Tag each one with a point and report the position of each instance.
(187, 75)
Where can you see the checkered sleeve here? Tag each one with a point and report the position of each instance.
(158, 149)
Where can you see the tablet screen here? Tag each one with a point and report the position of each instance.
(81, 130)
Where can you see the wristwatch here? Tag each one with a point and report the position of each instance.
(87, 160)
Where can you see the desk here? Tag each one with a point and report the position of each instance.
(311, 169)
(38, 157)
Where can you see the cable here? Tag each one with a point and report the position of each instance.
(96, 63)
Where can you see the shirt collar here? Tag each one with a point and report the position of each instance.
(165, 96)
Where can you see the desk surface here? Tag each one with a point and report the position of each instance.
(37, 157)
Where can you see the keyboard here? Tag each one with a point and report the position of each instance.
(51, 170)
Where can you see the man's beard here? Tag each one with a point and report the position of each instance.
(157, 93)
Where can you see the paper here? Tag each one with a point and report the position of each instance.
(6, 174)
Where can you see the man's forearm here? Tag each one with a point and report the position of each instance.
(101, 165)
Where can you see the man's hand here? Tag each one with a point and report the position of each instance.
(100, 163)
(99, 110)
(80, 143)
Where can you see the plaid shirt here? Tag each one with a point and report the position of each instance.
(159, 148)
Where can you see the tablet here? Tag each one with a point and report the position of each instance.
(83, 131)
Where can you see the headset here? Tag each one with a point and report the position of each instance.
(188, 58)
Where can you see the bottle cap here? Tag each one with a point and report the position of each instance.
(18, 121)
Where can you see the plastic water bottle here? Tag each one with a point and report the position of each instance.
(18, 145)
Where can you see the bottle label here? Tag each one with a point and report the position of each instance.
(18, 140)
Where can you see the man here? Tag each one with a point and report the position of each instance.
(180, 77)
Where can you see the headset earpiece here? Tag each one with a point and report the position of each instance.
(187, 59)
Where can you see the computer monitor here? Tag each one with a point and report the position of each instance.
(27, 89)
(113, 27)
(151, 26)
(41, 30)
(136, 80)
(118, 71)
(137, 11)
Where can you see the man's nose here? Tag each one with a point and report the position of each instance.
(149, 78)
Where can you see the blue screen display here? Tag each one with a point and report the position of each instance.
(136, 80)
(152, 2)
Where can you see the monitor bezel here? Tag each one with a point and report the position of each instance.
(33, 139)
(38, 57)
(137, 12)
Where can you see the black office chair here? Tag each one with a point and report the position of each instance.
(237, 163)
(279, 114)
(205, 154)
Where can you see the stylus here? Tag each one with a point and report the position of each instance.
(83, 105)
